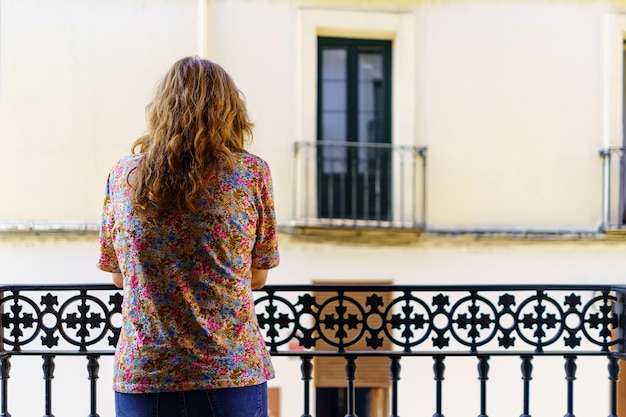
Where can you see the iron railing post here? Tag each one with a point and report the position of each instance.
(613, 367)
(527, 371)
(307, 371)
(439, 368)
(394, 368)
(93, 368)
(570, 376)
(351, 393)
(5, 369)
(483, 376)
(48, 375)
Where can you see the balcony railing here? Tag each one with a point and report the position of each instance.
(613, 188)
(359, 185)
(348, 321)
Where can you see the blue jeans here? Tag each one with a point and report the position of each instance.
(223, 402)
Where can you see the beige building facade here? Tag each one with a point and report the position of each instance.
(506, 105)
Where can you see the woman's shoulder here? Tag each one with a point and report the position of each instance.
(124, 165)
(126, 162)
(250, 161)
(129, 159)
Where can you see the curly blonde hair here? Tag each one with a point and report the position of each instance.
(195, 122)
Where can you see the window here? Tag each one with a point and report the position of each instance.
(376, 182)
(354, 161)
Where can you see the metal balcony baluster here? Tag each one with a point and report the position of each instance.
(483, 371)
(570, 376)
(613, 377)
(307, 371)
(5, 369)
(394, 368)
(422, 154)
(48, 375)
(527, 371)
(350, 377)
(93, 366)
(439, 368)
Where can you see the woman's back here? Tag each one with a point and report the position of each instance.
(188, 314)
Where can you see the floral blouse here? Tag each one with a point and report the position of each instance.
(188, 319)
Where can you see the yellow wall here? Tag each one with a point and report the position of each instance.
(508, 96)
(74, 79)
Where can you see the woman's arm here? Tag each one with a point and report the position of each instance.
(118, 280)
(259, 276)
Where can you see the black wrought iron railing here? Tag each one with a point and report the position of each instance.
(349, 321)
(359, 185)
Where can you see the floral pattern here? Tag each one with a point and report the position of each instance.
(188, 319)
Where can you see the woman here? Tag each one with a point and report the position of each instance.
(188, 231)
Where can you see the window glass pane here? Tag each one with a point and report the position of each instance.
(370, 96)
(334, 95)
(334, 156)
(369, 109)
(334, 126)
(334, 109)
(334, 64)
(370, 66)
(370, 81)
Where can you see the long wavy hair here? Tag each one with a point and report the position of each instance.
(195, 122)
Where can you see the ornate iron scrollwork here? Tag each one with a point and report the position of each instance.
(411, 319)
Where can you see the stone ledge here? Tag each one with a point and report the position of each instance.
(356, 235)
(406, 236)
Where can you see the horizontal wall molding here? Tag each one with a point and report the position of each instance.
(87, 228)
(48, 227)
